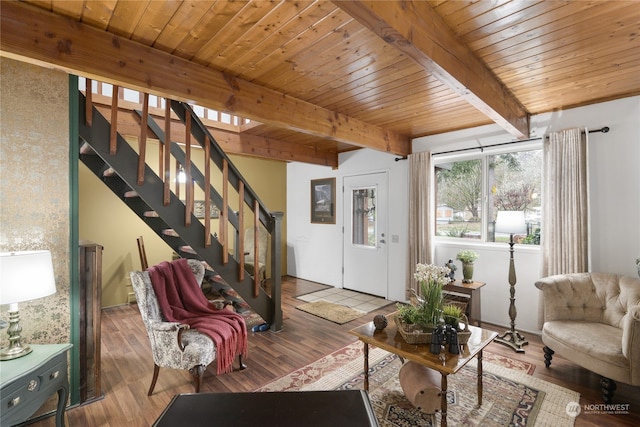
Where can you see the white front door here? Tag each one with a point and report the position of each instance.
(365, 233)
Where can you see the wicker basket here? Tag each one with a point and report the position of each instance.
(417, 336)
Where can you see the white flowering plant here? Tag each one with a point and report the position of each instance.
(431, 273)
(431, 278)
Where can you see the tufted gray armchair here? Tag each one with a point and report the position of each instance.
(173, 345)
(593, 320)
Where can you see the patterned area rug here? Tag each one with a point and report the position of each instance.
(330, 311)
(511, 397)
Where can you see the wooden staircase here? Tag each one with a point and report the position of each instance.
(110, 157)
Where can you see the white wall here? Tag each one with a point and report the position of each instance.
(315, 250)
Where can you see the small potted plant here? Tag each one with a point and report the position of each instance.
(417, 320)
(408, 313)
(452, 314)
(431, 279)
(467, 257)
(424, 312)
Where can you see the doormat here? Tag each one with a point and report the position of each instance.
(356, 300)
(330, 311)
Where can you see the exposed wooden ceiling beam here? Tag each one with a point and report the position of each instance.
(254, 145)
(230, 141)
(34, 35)
(418, 31)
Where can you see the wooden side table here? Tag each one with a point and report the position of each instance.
(28, 381)
(474, 308)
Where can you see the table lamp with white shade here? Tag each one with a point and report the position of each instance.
(512, 222)
(24, 276)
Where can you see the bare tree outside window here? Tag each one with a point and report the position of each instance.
(512, 183)
(459, 187)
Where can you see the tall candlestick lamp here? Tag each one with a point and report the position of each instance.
(24, 276)
(512, 222)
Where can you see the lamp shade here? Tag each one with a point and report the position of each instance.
(511, 222)
(25, 275)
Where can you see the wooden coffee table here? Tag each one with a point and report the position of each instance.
(389, 339)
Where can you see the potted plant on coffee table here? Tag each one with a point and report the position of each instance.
(425, 309)
(408, 315)
(452, 315)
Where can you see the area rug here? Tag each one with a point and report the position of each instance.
(356, 300)
(330, 311)
(511, 397)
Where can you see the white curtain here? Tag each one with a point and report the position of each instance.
(420, 213)
(565, 239)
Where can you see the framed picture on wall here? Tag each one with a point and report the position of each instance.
(323, 201)
(198, 209)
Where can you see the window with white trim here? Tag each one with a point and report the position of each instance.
(471, 189)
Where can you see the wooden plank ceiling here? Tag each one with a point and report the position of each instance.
(328, 77)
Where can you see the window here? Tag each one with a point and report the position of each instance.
(471, 191)
(364, 217)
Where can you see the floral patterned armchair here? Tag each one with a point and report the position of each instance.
(173, 345)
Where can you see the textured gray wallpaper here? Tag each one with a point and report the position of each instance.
(34, 187)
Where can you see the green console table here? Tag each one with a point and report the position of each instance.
(28, 381)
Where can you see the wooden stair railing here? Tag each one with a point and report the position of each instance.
(159, 210)
(230, 176)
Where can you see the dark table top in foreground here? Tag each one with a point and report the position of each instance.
(270, 409)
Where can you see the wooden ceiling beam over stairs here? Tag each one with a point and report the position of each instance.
(230, 141)
(418, 31)
(37, 36)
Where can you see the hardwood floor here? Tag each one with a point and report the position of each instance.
(127, 366)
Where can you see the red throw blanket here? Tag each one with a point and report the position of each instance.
(181, 300)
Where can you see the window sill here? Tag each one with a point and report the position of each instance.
(471, 244)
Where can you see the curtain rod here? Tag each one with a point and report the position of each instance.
(605, 129)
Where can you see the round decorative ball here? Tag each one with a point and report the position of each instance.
(380, 321)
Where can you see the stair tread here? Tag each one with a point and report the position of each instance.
(86, 149)
(131, 194)
(170, 232)
(109, 172)
(151, 214)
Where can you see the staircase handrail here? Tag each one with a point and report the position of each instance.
(270, 220)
